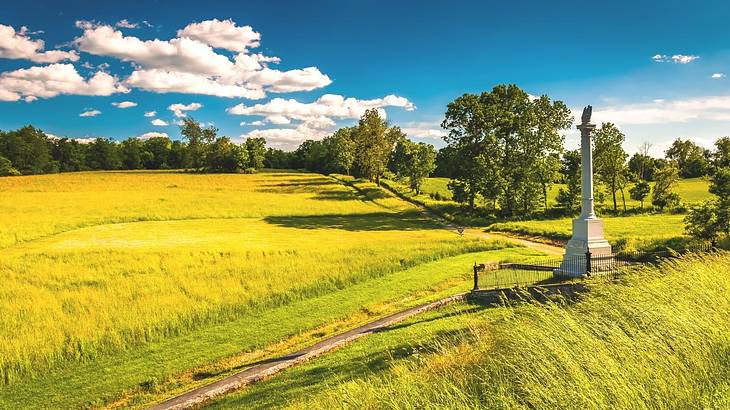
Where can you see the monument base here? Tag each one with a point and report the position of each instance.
(587, 236)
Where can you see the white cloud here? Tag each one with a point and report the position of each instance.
(150, 113)
(278, 120)
(709, 108)
(256, 123)
(328, 105)
(180, 109)
(222, 34)
(124, 104)
(52, 80)
(124, 23)
(718, 75)
(90, 113)
(676, 58)
(287, 138)
(181, 54)
(17, 45)
(160, 123)
(153, 134)
(189, 64)
(162, 81)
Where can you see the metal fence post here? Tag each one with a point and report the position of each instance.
(476, 277)
(588, 262)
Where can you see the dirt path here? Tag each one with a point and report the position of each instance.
(195, 398)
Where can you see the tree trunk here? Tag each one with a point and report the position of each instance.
(623, 198)
(471, 201)
(613, 190)
(544, 196)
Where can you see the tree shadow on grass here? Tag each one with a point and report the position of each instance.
(376, 221)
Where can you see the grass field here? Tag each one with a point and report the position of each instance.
(627, 232)
(691, 191)
(132, 279)
(654, 340)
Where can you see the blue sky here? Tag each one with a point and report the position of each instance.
(421, 54)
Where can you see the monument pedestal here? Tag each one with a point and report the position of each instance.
(587, 237)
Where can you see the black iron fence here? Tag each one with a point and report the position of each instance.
(557, 270)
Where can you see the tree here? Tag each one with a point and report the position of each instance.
(507, 146)
(256, 150)
(446, 163)
(225, 156)
(27, 149)
(198, 140)
(374, 142)
(690, 157)
(178, 158)
(344, 148)
(131, 153)
(642, 166)
(415, 161)
(103, 153)
(569, 197)
(663, 195)
(6, 168)
(278, 159)
(640, 191)
(721, 156)
(158, 149)
(69, 154)
(609, 159)
(711, 219)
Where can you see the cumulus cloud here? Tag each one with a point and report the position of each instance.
(17, 45)
(160, 123)
(124, 104)
(150, 113)
(90, 113)
(190, 64)
(676, 58)
(718, 75)
(163, 81)
(328, 105)
(52, 80)
(180, 109)
(154, 134)
(313, 120)
(222, 34)
(710, 108)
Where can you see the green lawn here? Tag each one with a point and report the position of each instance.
(654, 340)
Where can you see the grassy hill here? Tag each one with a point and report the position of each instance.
(653, 340)
(119, 287)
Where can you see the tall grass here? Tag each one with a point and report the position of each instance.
(659, 339)
(80, 280)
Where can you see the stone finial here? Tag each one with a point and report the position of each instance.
(586, 117)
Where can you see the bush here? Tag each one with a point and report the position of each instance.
(6, 168)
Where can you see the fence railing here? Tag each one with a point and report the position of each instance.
(556, 270)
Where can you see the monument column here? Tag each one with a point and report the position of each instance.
(587, 228)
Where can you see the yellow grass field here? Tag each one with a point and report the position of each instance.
(95, 262)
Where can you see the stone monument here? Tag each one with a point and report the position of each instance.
(587, 228)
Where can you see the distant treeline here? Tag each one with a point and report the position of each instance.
(29, 151)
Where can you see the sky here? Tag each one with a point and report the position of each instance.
(290, 70)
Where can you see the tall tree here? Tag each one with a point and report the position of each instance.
(414, 161)
(131, 153)
(691, 159)
(609, 159)
(344, 148)
(256, 150)
(663, 194)
(225, 156)
(198, 140)
(158, 149)
(569, 197)
(640, 191)
(374, 142)
(70, 155)
(27, 149)
(103, 153)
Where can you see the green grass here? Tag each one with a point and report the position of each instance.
(624, 232)
(653, 340)
(131, 279)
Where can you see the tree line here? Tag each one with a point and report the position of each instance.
(29, 151)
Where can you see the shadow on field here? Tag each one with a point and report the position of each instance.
(377, 221)
(313, 185)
